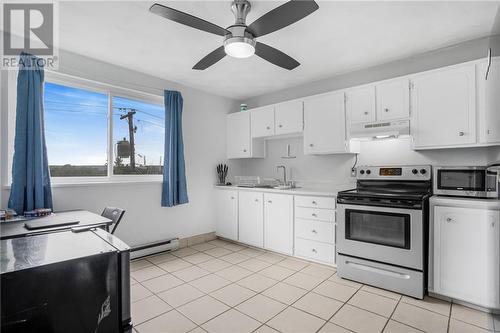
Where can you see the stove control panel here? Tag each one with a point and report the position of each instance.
(407, 172)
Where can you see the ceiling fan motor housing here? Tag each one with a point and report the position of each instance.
(239, 42)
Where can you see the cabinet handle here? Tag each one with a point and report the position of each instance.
(311, 145)
(366, 113)
(269, 201)
(314, 202)
(244, 150)
(314, 231)
(488, 131)
(232, 198)
(314, 250)
(314, 215)
(268, 127)
(256, 200)
(461, 133)
(280, 126)
(449, 219)
(386, 109)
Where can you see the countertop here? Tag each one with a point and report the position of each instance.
(330, 190)
(465, 202)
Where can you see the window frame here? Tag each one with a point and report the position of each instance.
(94, 86)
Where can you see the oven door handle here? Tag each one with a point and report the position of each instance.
(377, 270)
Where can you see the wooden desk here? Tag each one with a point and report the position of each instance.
(87, 219)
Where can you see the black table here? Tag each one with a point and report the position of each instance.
(87, 219)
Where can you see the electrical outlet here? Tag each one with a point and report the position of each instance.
(354, 172)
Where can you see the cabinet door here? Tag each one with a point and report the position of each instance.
(289, 117)
(262, 122)
(238, 135)
(467, 257)
(444, 107)
(489, 102)
(226, 224)
(324, 124)
(251, 218)
(360, 104)
(393, 99)
(278, 222)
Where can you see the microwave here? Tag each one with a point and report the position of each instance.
(465, 181)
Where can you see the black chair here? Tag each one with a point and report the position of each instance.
(114, 214)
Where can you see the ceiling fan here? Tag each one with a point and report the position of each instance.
(239, 39)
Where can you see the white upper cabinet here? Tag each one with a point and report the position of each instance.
(278, 222)
(393, 99)
(262, 121)
(324, 124)
(239, 143)
(489, 101)
(360, 104)
(227, 214)
(289, 118)
(251, 218)
(444, 107)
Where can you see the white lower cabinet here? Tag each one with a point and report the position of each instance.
(227, 214)
(251, 218)
(467, 255)
(278, 222)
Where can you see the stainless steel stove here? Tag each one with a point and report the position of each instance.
(382, 231)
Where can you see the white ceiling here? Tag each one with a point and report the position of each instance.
(337, 38)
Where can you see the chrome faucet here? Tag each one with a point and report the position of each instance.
(284, 173)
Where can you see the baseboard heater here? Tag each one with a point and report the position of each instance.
(153, 248)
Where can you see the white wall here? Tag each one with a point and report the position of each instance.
(204, 140)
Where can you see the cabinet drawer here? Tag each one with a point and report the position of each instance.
(315, 202)
(315, 230)
(315, 214)
(315, 250)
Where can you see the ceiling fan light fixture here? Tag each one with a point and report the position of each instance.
(239, 47)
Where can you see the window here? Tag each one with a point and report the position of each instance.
(88, 124)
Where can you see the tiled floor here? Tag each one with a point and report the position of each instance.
(225, 287)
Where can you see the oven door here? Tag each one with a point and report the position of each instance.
(384, 234)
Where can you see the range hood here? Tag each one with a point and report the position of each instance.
(380, 130)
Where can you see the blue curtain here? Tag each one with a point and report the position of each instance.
(30, 172)
(174, 171)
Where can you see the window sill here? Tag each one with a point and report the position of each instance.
(103, 182)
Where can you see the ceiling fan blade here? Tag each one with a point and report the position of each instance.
(210, 58)
(275, 56)
(282, 16)
(187, 19)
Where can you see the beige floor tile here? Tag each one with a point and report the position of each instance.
(147, 273)
(381, 292)
(209, 283)
(232, 294)
(251, 252)
(294, 264)
(234, 258)
(203, 246)
(231, 321)
(198, 258)
(303, 281)
(162, 283)
(277, 272)
(203, 309)
(198, 330)
(293, 320)
(337, 279)
(285, 293)
(320, 271)
(174, 265)
(218, 252)
(457, 326)
(419, 318)
(271, 258)
(214, 265)
(335, 290)
(332, 328)
(359, 320)
(133, 281)
(148, 308)
(254, 265)
(234, 247)
(261, 307)
(218, 242)
(162, 257)
(139, 264)
(318, 305)
(395, 327)
(472, 316)
(265, 329)
(138, 292)
(171, 321)
(191, 273)
(234, 273)
(180, 295)
(375, 303)
(257, 282)
(184, 252)
(429, 303)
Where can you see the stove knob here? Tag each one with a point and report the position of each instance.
(368, 172)
(423, 171)
(362, 172)
(414, 171)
